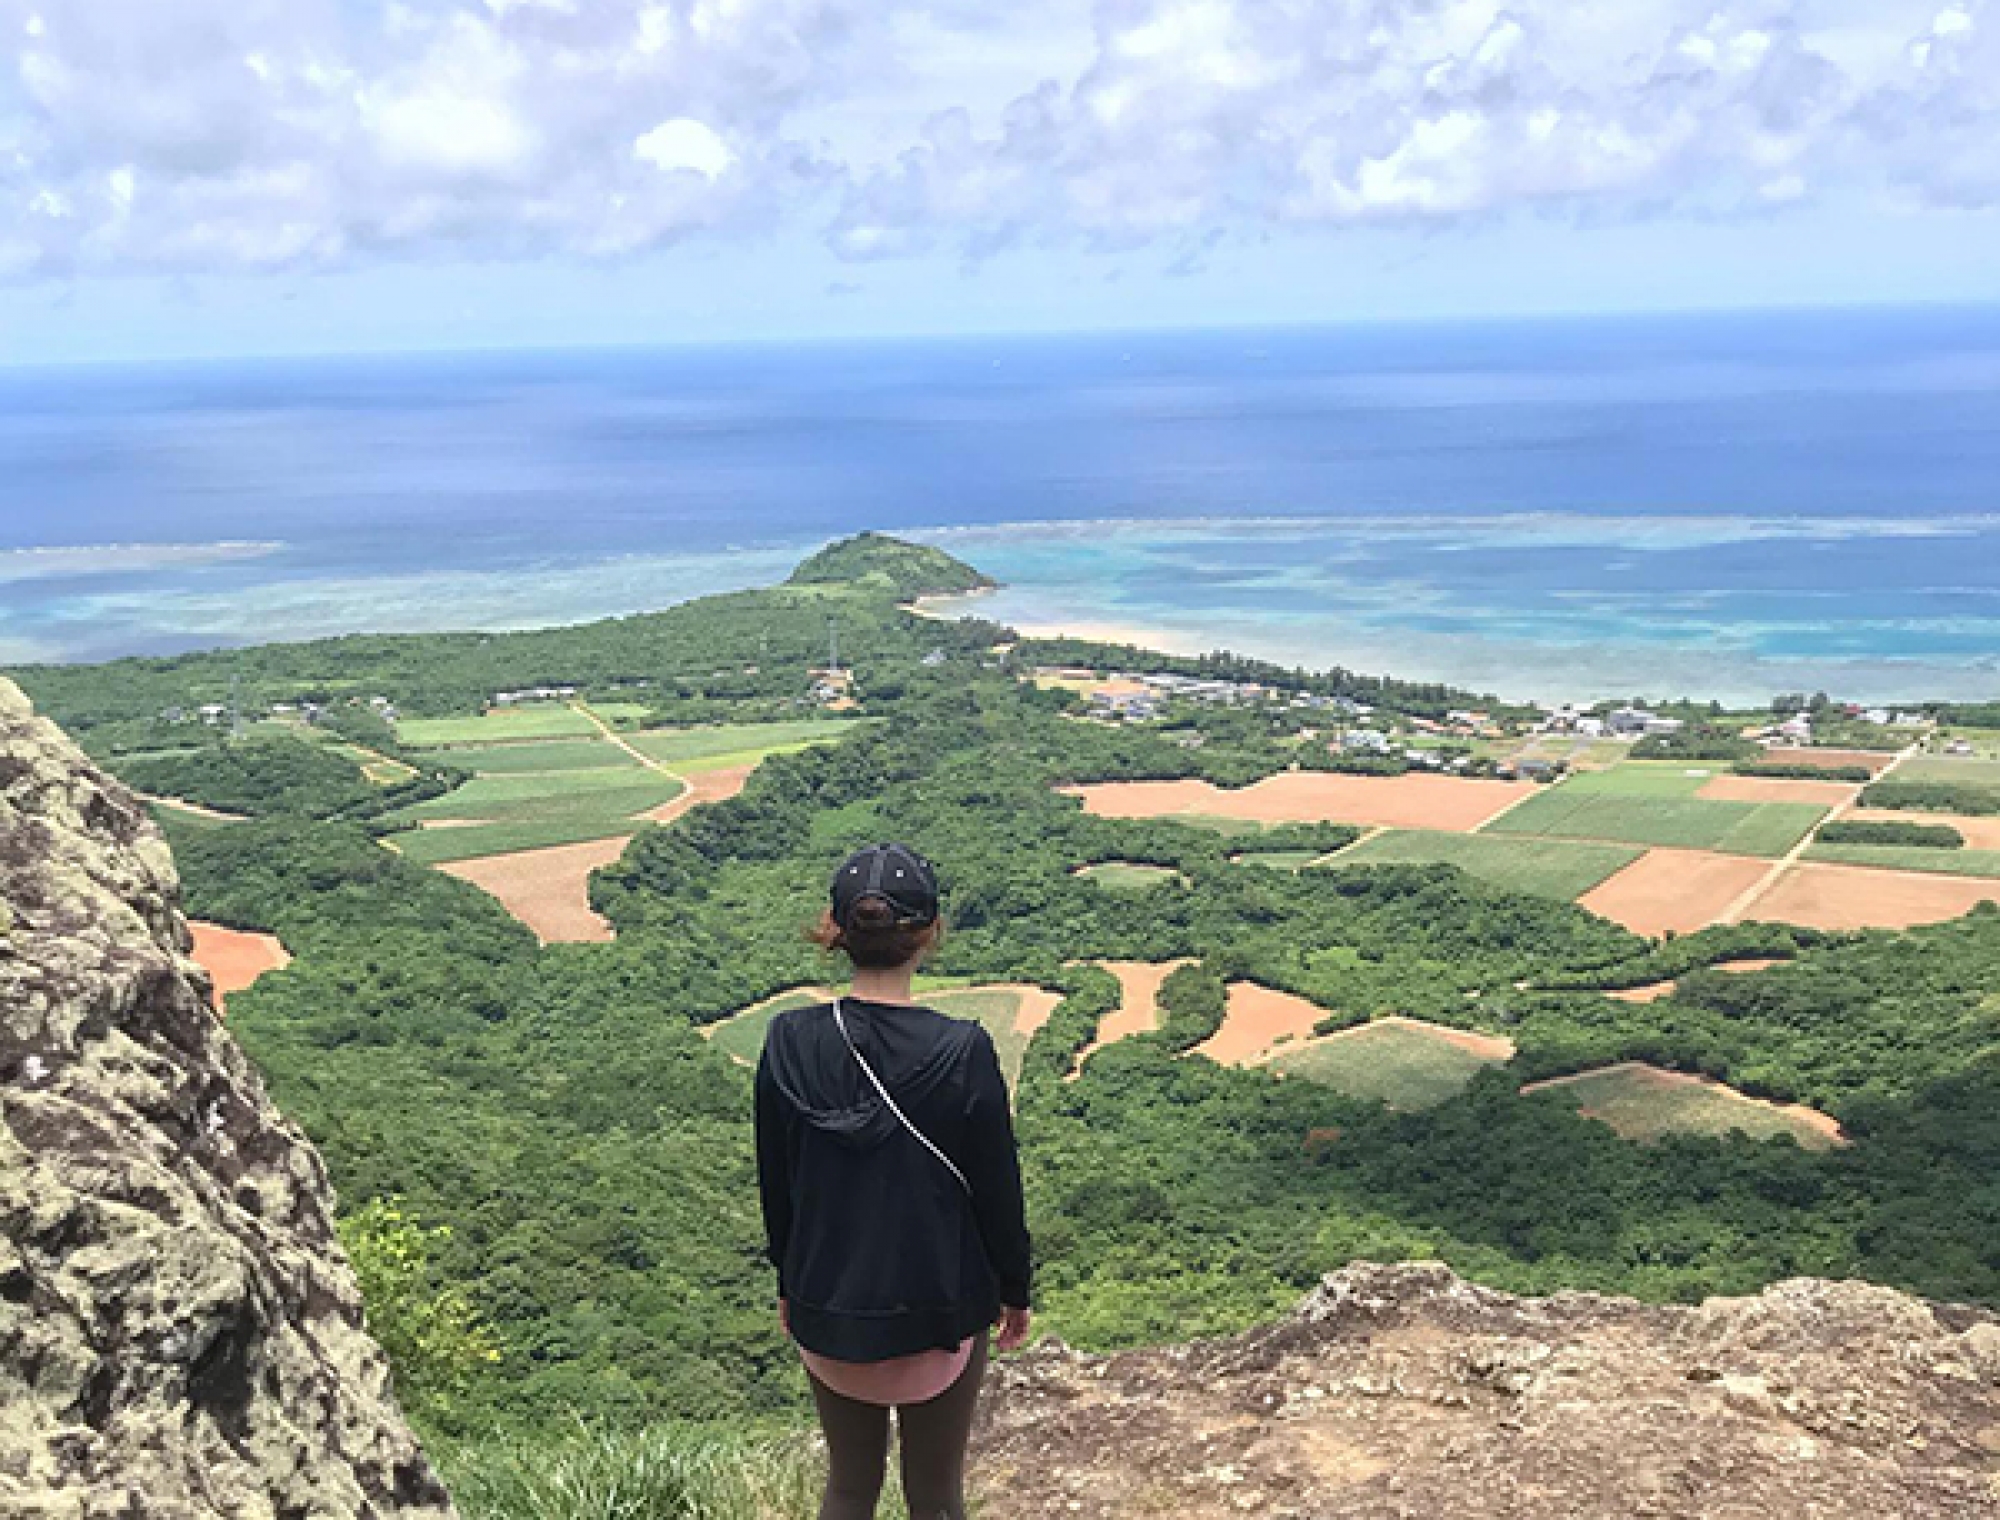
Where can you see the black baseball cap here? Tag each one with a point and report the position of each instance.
(893, 872)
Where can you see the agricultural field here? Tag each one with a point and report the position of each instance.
(1559, 868)
(1826, 895)
(1011, 1012)
(1405, 1063)
(1416, 801)
(1675, 891)
(1258, 1021)
(499, 814)
(735, 744)
(1980, 863)
(1277, 860)
(497, 727)
(1645, 1102)
(533, 755)
(1128, 875)
(1138, 1010)
(1959, 770)
(1657, 805)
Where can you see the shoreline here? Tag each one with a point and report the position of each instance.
(950, 607)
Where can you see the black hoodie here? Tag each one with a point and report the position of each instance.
(879, 1250)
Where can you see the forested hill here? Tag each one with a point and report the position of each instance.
(909, 570)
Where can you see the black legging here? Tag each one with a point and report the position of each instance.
(933, 1434)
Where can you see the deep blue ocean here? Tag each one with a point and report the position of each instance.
(1716, 505)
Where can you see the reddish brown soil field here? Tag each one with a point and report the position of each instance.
(1682, 890)
(1138, 1007)
(1449, 803)
(703, 786)
(1980, 833)
(1876, 760)
(1652, 992)
(1258, 1018)
(235, 958)
(548, 890)
(1823, 896)
(1037, 1003)
(1764, 789)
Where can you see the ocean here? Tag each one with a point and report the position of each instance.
(1716, 505)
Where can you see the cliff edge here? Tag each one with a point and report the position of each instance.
(180, 1334)
(1404, 1393)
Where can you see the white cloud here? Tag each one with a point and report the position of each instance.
(685, 143)
(270, 133)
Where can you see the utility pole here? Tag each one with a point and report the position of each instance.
(235, 705)
(832, 647)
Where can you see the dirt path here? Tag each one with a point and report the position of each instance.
(1758, 891)
(612, 734)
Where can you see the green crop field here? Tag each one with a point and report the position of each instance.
(497, 799)
(1278, 860)
(1643, 1103)
(1985, 863)
(1961, 770)
(737, 743)
(743, 1035)
(1128, 875)
(433, 847)
(496, 727)
(621, 715)
(554, 755)
(1229, 828)
(1559, 868)
(1613, 806)
(1646, 778)
(1405, 1068)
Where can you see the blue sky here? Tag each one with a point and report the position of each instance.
(272, 176)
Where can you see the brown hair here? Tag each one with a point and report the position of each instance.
(875, 941)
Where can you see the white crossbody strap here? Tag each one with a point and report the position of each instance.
(840, 1020)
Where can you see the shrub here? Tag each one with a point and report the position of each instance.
(1933, 797)
(1927, 836)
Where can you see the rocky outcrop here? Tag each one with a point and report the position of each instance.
(1403, 1393)
(180, 1335)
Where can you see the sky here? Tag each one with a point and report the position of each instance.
(242, 177)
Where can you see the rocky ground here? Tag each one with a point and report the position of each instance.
(1403, 1393)
(180, 1335)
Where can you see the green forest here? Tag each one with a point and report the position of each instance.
(546, 1169)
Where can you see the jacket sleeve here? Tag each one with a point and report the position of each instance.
(993, 1167)
(774, 1170)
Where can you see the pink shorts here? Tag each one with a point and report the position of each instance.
(914, 1379)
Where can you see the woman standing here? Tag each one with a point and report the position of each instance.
(892, 1198)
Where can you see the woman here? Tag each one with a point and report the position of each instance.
(892, 1199)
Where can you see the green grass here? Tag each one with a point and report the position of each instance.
(433, 847)
(1559, 868)
(1962, 770)
(1640, 1107)
(661, 1472)
(743, 1035)
(1277, 860)
(1649, 812)
(498, 726)
(1128, 875)
(554, 755)
(1982, 863)
(503, 799)
(1404, 1068)
(621, 715)
(1648, 778)
(1229, 828)
(743, 742)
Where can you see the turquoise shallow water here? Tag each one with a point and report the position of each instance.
(1537, 606)
(1724, 505)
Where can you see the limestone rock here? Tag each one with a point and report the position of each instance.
(180, 1334)
(1404, 1393)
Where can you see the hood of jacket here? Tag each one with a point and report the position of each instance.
(912, 1049)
